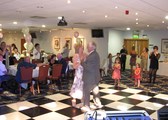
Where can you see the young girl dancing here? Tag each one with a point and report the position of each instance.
(116, 75)
(137, 75)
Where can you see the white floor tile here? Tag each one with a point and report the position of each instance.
(14, 116)
(150, 105)
(110, 91)
(131, 90)
(21, 105)
(58, 97)
(154, 116)
(51, 116)
(139, 97)
(79, 117)
(119, 106)
(113, 97)
(105, 85)
(54, 106)
(162, 96)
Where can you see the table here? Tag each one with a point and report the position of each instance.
(163, 67)
(13, 69)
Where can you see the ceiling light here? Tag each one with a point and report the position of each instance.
(166, 17)
(116, 7)
(136, 19)
(136, 13)
(147, 25)
(68, 1)
(136, 23)
(105, 16)
(0, 24)
(163, 22)
(43, 26)
(15, 23)
(128, 28)
(0, 29)
(83, 11)
(60, 17)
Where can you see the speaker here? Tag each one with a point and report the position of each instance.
(163, 113)
(33, 35)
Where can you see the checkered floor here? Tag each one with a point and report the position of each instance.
(58, 106)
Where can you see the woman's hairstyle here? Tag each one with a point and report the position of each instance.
(52, 56)
(155, 47)
(146, 49)
(109, 55)
(138, 65)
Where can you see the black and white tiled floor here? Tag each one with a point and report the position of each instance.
(58, 105)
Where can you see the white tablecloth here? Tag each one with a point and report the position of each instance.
(163, 69)
(13, 69)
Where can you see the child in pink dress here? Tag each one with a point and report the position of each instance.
(116, 75)
(137, 75)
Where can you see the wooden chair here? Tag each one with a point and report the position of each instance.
(43, 75)
(26, 77)
(56, 72)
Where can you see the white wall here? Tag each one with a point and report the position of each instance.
(45, 39)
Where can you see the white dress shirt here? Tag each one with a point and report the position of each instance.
(3, 69)
(36, 54)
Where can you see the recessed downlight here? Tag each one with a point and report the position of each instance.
(43, 26)
(0, 24)
(116, 7)
(136, 13)
(136, 23)
(106, 16)
(163, 21)
(128, 28)
(83, 11)
(147, 25)
(166, 17)
(136, 19)
(15, 23)
(68, 1)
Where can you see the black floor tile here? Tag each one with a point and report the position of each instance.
(5, 110)
(130, 101)
(70, 112)
(35, 111)
(157, 100)
(109, 109)
(69, 101)
(104, 101)
(141, 108)
(125, 94)
(147, 93)
(41, 101)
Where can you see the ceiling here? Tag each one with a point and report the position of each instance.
(35, 13)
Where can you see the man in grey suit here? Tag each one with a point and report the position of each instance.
(91, 77)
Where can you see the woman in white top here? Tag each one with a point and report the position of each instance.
(16, 54)
(36, 51)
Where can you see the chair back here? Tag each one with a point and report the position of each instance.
(36, 61)
(43, 72)
(56, 71)
(26, 73)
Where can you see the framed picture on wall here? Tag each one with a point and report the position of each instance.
(164, 45)
(69, 42)
(56, 43)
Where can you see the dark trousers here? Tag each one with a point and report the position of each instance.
(152, 74)
(96, 95)
(123, 61)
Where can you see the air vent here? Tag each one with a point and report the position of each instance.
(38, 17)
(80, 23)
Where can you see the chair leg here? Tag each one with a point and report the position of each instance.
(38, 87)
(20, 90)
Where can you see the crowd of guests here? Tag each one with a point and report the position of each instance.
(87, 68)
(138, 70)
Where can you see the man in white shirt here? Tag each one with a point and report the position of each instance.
(3, 71)
(36, 51)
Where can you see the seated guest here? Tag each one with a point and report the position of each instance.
(52, 61)
(16, 54)
(62, 61)
(25, 63)
(3, 71)
(36, 51)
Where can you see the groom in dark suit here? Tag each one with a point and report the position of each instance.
(91, 77)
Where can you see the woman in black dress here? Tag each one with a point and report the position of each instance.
(154, 63)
